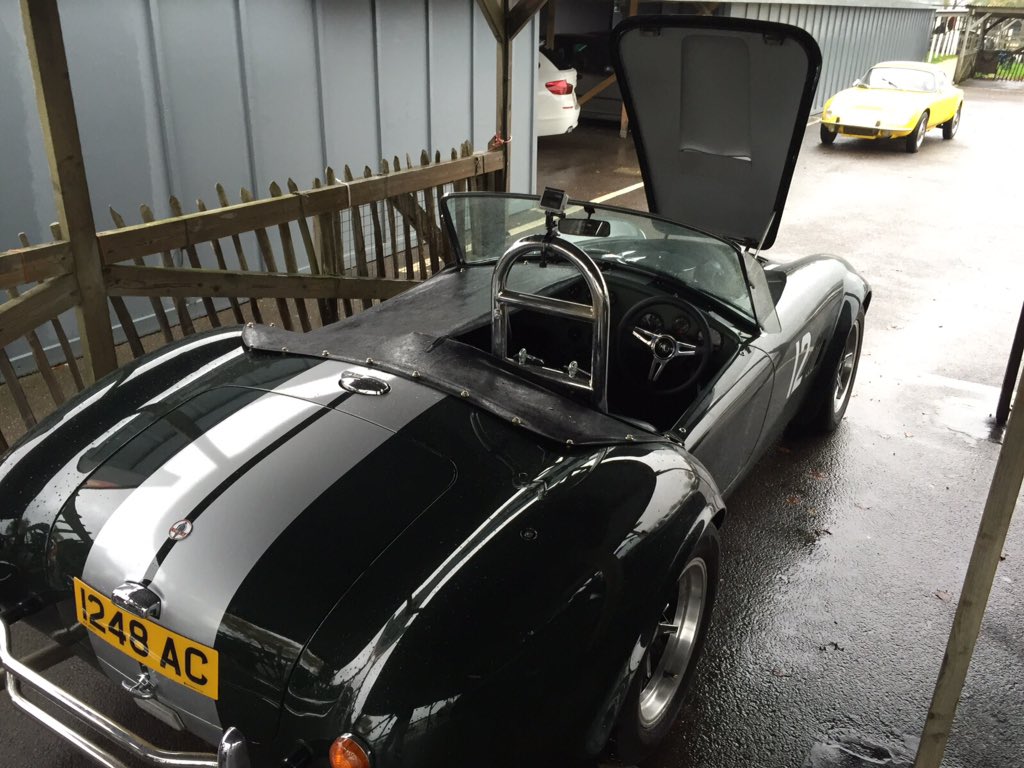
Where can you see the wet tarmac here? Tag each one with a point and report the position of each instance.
(843, 557)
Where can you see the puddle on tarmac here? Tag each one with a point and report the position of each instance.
(849, 749)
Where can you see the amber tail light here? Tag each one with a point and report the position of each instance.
(346, 752)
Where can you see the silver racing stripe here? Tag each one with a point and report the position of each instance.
(258, 489)
(202, 573)
(128, 542)
(127, 545)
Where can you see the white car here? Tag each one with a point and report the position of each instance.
(557, 110)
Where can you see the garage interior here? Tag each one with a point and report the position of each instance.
(844, 558)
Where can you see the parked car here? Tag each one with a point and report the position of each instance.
(589, 53)
(895, 100)
(477, 524)
(556, 109)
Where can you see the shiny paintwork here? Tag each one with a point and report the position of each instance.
(442, 581)
(892, 113)
(477, 581)
(514, 559)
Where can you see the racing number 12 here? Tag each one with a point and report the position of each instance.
(801, 355)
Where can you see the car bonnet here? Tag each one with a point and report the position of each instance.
(718, 108)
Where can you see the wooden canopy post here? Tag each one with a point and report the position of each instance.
(623, 117)
(549, 25)
(505, 24)
(981, 572)
(49, 64)
(1012, 372)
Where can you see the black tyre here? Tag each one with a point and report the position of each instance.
(829, 395)
(828, 136)
(659, 687)
(949, 127)
(916, 138)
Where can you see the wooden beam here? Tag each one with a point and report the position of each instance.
(123, 280)
(35, 307)
(520, 16)
(503, 96)
(45, 43)
(623, 117)
(191, 229)
(34, 263)
(981, 572)
(549, 24)
(596, 90)
(495, 16)
(1012, 372)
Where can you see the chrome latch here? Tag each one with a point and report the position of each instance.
(138, 599)
(142, 688)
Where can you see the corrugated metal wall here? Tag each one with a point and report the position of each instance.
(174, 96)
(851, 38)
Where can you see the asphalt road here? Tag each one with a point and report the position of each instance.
(843, 557)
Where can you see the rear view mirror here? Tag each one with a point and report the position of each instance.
(585, 227)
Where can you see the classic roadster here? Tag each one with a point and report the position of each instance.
(477, 524)
(895, 100)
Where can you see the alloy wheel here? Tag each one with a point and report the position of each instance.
(671, 650)
(921, 128)
(844, 373)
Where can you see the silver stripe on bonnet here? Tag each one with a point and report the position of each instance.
(201, 574)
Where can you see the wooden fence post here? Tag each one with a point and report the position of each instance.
(981, 572)
(49, 64)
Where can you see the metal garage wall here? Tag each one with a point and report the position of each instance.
(174, 96)
(852, 37)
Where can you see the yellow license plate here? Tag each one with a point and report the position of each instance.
(172, 655)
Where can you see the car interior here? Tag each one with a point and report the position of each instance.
(636, 390)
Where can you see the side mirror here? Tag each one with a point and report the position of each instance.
(858, 83)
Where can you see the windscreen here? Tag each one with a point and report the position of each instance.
(900, 78)
(485, 225)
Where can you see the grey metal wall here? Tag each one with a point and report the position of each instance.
(174, 96)
(851, 37)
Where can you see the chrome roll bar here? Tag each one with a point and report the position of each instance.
(597, 313)
(232, 751)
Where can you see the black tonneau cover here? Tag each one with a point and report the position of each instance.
(410, 336)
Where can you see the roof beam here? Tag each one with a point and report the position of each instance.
(520, 16)
(494, 13)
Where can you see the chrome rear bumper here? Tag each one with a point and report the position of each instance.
(232, 751)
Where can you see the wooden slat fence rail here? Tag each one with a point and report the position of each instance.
(300, 258)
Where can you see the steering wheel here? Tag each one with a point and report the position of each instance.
(664, 348)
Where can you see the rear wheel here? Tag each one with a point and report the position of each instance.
(949, 127)
(916, 139)
(659, 686)
(828, 135)
(829, 396)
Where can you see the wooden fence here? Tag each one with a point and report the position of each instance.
(320, 254)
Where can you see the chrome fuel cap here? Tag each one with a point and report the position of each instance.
(363, 384)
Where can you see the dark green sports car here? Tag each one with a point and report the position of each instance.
(477, 524)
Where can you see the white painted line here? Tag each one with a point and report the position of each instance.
(623, 191)
(814, 121)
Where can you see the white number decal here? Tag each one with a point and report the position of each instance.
(801, 353)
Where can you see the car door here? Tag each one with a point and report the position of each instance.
(725, 429)
(946, 102)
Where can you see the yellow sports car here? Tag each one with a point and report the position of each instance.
(895, 100)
